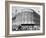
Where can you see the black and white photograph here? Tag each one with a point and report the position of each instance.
(25, 18)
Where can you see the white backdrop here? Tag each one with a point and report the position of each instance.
(2, 19)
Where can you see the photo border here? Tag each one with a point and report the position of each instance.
(7, 19)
